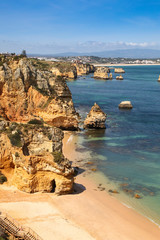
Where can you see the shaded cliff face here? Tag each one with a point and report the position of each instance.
(34, 152)
(27, 92)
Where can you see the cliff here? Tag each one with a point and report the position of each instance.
(101, 73)
(96, 118)
(34, 154)
(29, 89)
(83, 69)
(64, 69)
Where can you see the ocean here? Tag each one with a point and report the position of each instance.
(127, 152)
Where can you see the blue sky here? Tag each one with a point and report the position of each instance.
(52, 26)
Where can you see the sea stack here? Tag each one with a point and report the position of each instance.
(119, 70)
(110, 76)
(159, 79)
(101, 73)
(119, 77)
(96, 118)
(125, 105)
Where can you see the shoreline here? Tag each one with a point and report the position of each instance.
(136, 225)
(124, 64)
(88, 213)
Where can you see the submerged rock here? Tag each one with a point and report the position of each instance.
(125, 105)
(96, 118)
(101, 73)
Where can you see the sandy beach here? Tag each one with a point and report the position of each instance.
(87, 214)
(123, 64)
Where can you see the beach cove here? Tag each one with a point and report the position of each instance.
(87, 214)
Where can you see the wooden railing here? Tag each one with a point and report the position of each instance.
(14, 229)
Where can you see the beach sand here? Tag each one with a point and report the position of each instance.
(123, 64)
(87, 214)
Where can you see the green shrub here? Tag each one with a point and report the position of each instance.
(15, 139)
(35, 121)
(17, 154)
(58, 157)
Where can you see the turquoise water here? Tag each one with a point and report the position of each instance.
(129, 149)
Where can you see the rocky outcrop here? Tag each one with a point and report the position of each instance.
(119, 77)
(96, 118)
(125, 105)
(27, 92)
(64, 69)
(119, 70)
(83, 69)
(34, 152)
(159, 79)
(110, 76)
(101, 73)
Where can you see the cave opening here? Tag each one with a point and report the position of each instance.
(53, 184)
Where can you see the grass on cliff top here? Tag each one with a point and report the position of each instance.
(2, 178)
(63, 66)
(41, 64)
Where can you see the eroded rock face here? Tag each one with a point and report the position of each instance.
(96, 118)
(125, 105)
(68, 71)
(101, 73)
(83, 69)
(35, 154)
(27, 92)
(119, 70)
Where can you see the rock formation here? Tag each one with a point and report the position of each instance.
(64, 69)
(101, 73)
(34, 153)
(110, 76)
(96, 118)
(83, 69)
(125, 105)
(119, 77)
(119, 70)
(27, 92)
(159, 79)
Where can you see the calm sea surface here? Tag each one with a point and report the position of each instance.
(127, 153)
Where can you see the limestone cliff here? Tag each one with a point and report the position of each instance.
(29, 90)
(96, 118)
(34, 152)
(101, 73)
(83, 69)
(64, 69)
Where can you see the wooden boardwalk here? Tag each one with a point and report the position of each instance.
(15, 230)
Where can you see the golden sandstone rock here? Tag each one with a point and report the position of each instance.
(125, 105)
(96, 118)
(119, 70)
(119, 77)
(26, 91)
(101, 73)
(83, 69)
(34, 152)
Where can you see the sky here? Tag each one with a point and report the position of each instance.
(56, 26)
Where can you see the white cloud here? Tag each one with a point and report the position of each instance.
(81, 47)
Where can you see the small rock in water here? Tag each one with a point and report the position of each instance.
(125, 105)
(137, 196)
